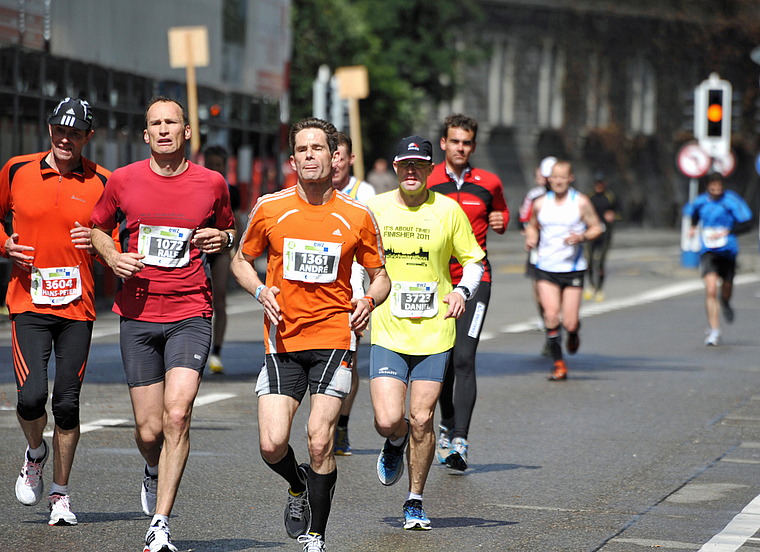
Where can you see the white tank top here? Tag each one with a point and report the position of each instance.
(557, 222)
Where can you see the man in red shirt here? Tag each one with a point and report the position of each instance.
(169, 211)
(481, 196)
(51, 293)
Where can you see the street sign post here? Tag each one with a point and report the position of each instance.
(353, 85)
(188, 48)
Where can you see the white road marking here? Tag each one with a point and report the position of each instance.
(212, 398)
(744, 525)
(651, 543)
(592, 309)
(109, 422)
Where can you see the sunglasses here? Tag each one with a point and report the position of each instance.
(419, 165)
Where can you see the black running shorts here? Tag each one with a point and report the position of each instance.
(150, 349)
(324, 371)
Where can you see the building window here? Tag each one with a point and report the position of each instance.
(501, 84)
(598, 94)
(642, 102)
(551, 78)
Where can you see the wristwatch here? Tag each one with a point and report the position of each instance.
(465, 291)
(230, 240)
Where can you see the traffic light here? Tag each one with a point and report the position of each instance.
(714, 112)
(712, 115)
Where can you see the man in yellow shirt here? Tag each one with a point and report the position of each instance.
(414, 330)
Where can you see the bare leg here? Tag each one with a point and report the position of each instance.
(33, 429)
(711, 300)
(422, 399)
(64, 447)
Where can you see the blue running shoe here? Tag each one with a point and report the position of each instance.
(414, 516)
(341, 447)
(390, 463)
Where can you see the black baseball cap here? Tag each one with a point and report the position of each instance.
(72, 112)
(414, 147)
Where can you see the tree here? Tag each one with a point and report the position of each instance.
(410, 48)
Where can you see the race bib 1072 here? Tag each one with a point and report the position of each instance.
(164, 245)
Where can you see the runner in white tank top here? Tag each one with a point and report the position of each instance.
(561, 221)
(558, 222)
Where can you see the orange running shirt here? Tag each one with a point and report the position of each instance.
(310, 251)
(45, 206)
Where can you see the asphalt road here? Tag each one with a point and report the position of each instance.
(653, 441)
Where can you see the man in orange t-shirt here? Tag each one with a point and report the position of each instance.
(51, 293)
(312, 234)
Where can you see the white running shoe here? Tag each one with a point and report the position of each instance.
(443, 446)
(158, 538)
(149, 493)
(29, 486)
(60, 510)
(713, 338)
(312, 542)
(215, 364)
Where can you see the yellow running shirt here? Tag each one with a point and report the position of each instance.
(419, 242)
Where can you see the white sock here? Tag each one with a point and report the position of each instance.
(59, 489)
(152, 470)
(397, 442)
(414, 496)
(160, 517)
(37, 453)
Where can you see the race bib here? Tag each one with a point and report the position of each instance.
(414, 299)
(164, 245)
(55, 286)
(714, 237)
(311, 261)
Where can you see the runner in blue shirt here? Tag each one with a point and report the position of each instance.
(723, 215)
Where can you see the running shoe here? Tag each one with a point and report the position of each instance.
(573, 342)
(390, 462)
(312, 542)
(728, 312)
(215, 364)
(414, 516)
(60, 510)
(297, 511)
(588, 293)
(599, 297)
(560, 371)
(713, 338)
(341, 446)
(29, 485)
(158, 538)
(457, 460)
(442, 447)
(149, 493)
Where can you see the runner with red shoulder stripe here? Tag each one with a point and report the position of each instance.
(51, 293)
(481, 196)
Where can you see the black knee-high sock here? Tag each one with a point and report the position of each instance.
(321, 490)
(554, 339)
(288, 469)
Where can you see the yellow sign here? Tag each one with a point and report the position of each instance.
(188, 46)
(353, 82)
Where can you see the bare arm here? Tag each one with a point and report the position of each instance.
(532, 229)
(588, 216)
(212, 240)
(379, 288)
(245, 274)
(124, 265)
